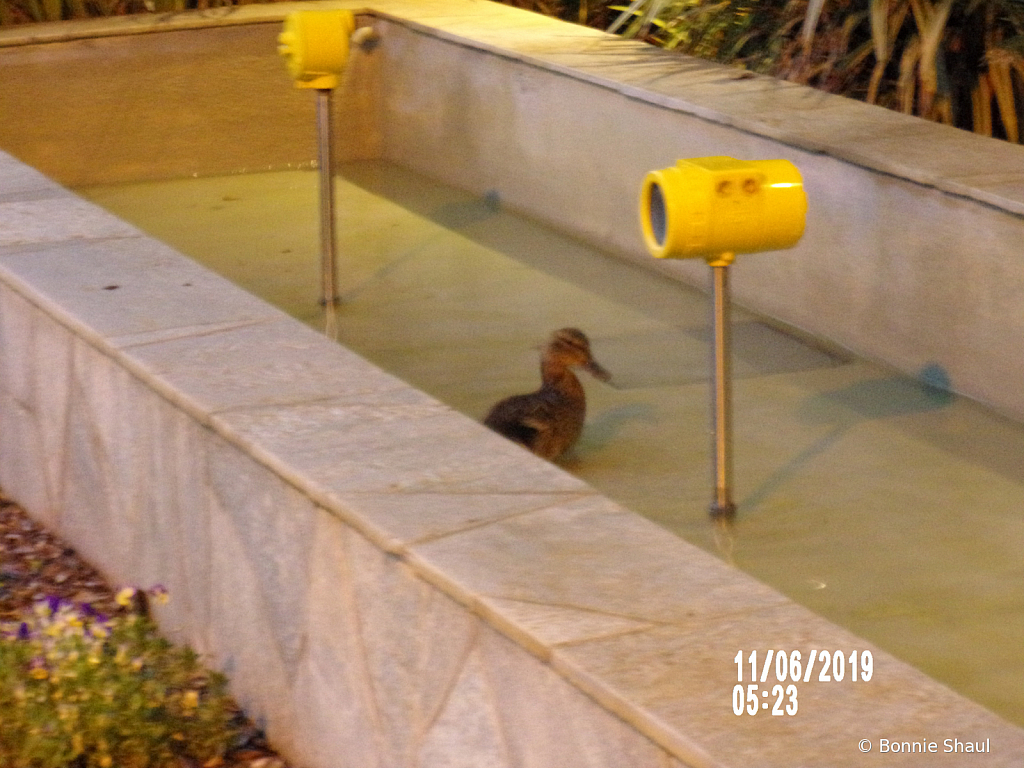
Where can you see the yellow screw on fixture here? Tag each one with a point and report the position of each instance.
(315, 46)
(714, 208)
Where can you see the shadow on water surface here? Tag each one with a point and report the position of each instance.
(854, 404)
(604, 427)
(876, 399)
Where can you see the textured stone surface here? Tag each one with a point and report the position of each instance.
(133, 290)
(242, 635)
(584, 555)
(393, 447)
(395, 520)
(178, 547)
(22, 182)
(222, 369)
(35, 376)
(55, 219)
(273, 524)
(651, 668)
(333, 696)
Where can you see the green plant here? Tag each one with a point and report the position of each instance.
(955, 61)
(590, 12)
(26, 11)
(80, 689)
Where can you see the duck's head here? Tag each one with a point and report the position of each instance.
(570, 347)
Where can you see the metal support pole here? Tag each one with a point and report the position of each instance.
(329, 297)
(722, 506)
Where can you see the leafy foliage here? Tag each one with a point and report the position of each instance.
(956, 61)
(26, 11)
(80, 689)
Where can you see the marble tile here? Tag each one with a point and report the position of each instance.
(466, 733)
(17, 345)
(810, 119)
(130, 290)
(545, 721)
(911, 152)
(53, 371)
(336, 713)
(664, 681)
(540, 627)
(415, 642)
(51, 220)
(108, 434)
(1003, 190)
(35, 373)
(241, 628)
(22, 449)
(21, 454)
(20, 182)
(176, 538)
(415, 448)
(395, 520)
(274, 362)
(273, 524)
(594, 557)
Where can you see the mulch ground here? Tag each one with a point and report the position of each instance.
(35, 564)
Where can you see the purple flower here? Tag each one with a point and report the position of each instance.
(24, 633)
(90, 612)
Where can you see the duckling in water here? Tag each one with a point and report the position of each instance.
(549, 421)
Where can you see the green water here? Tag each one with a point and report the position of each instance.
(890, 508)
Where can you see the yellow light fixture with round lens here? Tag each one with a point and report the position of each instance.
(315, 46)
(710, 206)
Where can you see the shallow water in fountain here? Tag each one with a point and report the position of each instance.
(892, 508)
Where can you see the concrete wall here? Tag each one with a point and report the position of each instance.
(911, 255)
(197, 102)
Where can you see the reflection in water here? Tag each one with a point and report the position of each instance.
(725, 537)
(460, 214)
(603, 428)
(876, 399)
(772, 485)
(850, 406)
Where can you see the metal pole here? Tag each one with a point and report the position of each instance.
(721, 393)
(329, 297)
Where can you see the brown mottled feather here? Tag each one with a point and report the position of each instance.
(549, 421)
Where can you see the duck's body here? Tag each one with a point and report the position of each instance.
(549, 421)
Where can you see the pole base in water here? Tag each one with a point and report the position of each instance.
(722, 511)
(330, 317)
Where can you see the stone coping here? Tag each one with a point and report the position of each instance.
(642, 622)
(934, 155)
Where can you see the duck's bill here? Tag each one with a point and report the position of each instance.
(595, 370)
